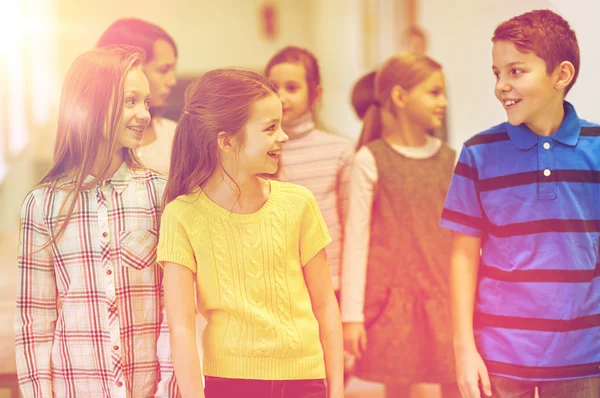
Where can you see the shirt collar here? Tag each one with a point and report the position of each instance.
(567, 133)
(118, 181)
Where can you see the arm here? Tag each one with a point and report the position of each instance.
(167, 384)
(181, 311)
(36, 311)
(356, 250)
(470, 368)
(343, 185)
(325, 308)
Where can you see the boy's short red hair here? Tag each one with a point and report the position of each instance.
(545, 33)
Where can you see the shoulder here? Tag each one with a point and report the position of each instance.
(292, 194)
(333, 140)
(150, 178)
(183, 206)
(495, 133)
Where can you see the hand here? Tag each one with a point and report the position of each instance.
(355, 338)
(470, 371)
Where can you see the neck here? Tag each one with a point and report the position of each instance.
(238, 192)
(549, 120)
(299, 127)
(115, 162)
(403, 133)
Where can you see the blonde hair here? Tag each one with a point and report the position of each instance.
(405, 70)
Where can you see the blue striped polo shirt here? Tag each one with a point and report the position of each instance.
(535, 203)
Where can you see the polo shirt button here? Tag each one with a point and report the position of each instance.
(547, 172)
(105, 234)
(116, 348)
(108, 272)
(546, 145)
(120, 384)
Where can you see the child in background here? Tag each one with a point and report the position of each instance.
(88, 242)
(313, 158)
(253, 247)
(523, 206)
(161, 59)
(396, 257)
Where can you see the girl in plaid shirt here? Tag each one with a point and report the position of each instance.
(89, 319)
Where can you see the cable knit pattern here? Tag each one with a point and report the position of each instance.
(250, 281)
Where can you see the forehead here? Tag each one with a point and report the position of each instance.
(293, 71)
(136, 80)
(266, 108)
(505, 52)
(163, 52)
(436, 79)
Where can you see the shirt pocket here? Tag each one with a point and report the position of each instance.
(138, 248)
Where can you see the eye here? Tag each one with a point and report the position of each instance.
(291, 88)
(496, 74)
(130, 100)
(515, 71)
(271, 128)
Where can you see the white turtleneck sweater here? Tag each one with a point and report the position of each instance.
(321, 162)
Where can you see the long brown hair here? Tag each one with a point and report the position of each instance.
(91, 107)
(405, 70)
(219, 101)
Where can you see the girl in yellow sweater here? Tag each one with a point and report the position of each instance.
(253, 247)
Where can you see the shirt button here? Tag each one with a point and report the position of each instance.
(116, 348)
(105, 234)
(547, 172)
(120, 384)
(108, 272)
(546, 145)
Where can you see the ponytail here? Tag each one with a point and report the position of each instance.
(372, 125)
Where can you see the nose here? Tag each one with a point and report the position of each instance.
(502, 85)
(142, 114)
(283, 137)
(171, 79)
(444, 101)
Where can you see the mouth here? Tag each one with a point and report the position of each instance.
(137, 130)
(510, 103)
(274, 154)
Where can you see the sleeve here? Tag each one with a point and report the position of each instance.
(314, 235)
(343, 184)
(463, 211)
(357, 236)
(167, 385)
(174, 243)
(36, 307)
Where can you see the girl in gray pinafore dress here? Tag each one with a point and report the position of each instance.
(404, 176)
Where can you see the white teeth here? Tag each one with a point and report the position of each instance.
(136, 128)
(510, 102)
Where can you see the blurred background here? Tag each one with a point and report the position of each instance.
(39, 39)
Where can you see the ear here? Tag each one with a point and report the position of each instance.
(565, 73)
(398, 96)
(226, 141)
(318, 95)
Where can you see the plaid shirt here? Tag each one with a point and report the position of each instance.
(90, 316)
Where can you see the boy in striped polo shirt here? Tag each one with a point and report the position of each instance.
(523, 205)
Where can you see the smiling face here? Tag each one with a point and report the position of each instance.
(426, 102)
(527, 92)
(135, 117)
(263, 137)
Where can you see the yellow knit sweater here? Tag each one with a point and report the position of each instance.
(250, 282)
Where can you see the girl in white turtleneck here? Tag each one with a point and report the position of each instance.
(312, 158)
